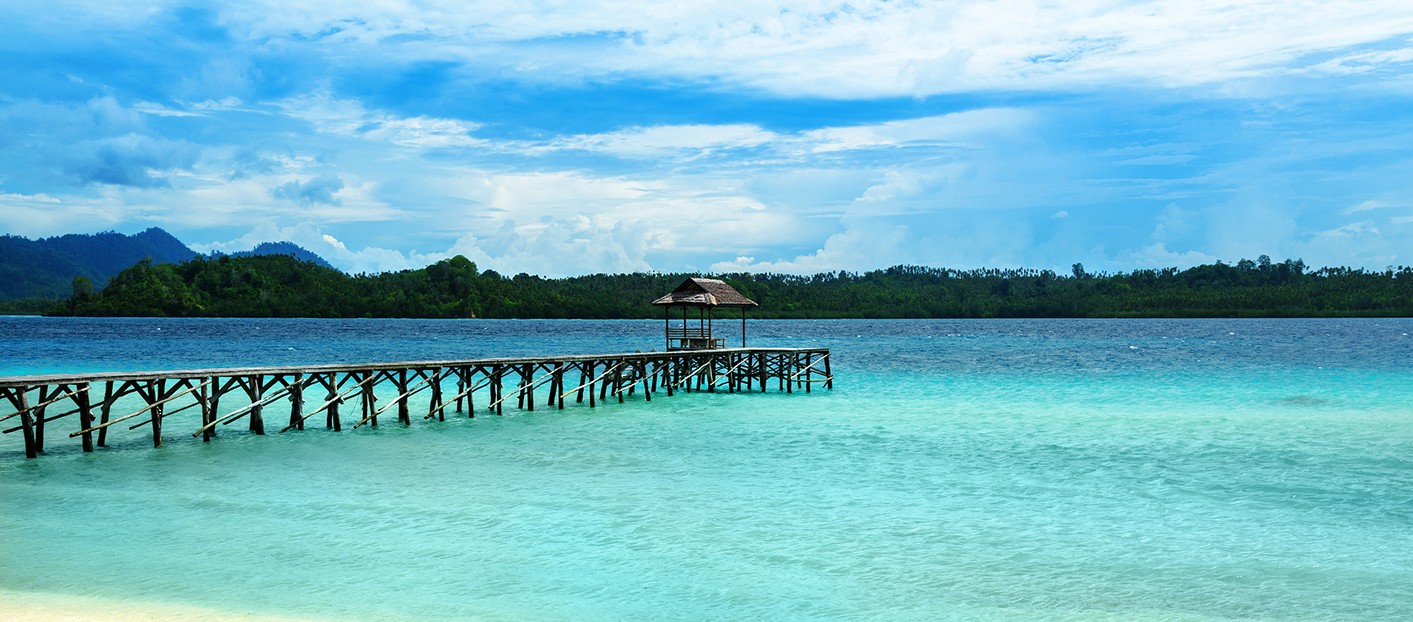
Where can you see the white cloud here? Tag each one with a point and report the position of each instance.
(956, 129)
(348, 118)
(1371, 204)
(656, 141)
(862, 245)
(1158, 256)
(310, 236)
(858, 49)
(39, 215)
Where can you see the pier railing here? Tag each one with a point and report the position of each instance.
(311, 390)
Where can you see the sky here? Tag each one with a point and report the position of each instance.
(560, 137)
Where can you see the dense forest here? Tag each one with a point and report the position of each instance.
(43, 268)
(34, 273)
(282, 286)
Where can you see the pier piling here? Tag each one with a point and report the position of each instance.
(43, 399)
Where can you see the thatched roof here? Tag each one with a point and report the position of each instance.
(705, 293)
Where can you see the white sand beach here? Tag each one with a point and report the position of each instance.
(42, 607)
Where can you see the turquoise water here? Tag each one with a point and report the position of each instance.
(965, 470)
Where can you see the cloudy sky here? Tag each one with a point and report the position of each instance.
(567, 137)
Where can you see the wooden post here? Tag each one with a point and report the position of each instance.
(201, 398)
(667, 327)
(460, 388)
(437, 405)
(557, 393)
(471, 395)
(586, 373)
(156, 391)
(296, 402)
(85, 415)
(331, 415)
(828, 375)
(369, 398)
(256, 390)
(498, 389)
(208, 413)
(404, 415)
(103, 413)
(760, 361)
(38, 415)
(20, 400)
(743, 327)
(618, 383)
(592, 366)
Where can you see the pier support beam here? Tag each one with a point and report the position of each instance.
(734, 370)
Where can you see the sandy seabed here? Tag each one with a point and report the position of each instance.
(40, 607)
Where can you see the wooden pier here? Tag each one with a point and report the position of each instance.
(376, 389)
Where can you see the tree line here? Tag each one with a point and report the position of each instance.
(282, 286)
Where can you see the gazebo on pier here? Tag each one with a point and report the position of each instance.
(705, 295)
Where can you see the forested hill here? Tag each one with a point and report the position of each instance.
(36, 273)
(281, 286)
(46, 267)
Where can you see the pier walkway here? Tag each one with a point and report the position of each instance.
(376, 388)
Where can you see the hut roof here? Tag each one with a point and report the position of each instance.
(705, 293)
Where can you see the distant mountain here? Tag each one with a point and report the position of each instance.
(284, 248)
(45, 268)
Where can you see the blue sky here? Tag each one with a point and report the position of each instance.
(562, 138)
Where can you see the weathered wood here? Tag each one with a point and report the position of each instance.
(522, 389)
(37, 415)
(237, 414)
(459, 396)
(256, 389)
(618, 374)
(728, 375)
(164, 414)
(370, 397)
(208, 413)
(20, 400)
(85, 416)
(591, 382)
(142, 376)
(497, 387)
(331, 404)
(46, 402)
(157, 389)
(151, 404)
(107, 407)
(296, 403)
(396, 401)
(689, 377)
(437, 406)
(45, 419)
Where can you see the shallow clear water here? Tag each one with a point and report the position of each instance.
(961, 470)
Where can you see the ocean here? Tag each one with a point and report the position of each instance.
(960, 470)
